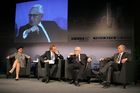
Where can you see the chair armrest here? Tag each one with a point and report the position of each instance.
(9, 63)
(39, 67)
(127, 73)
(87, 65)
(59, 70)
(28, 66)
(66, 72)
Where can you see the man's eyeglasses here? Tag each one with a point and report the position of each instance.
(34, 15)
(76, 50)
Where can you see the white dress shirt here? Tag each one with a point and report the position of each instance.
(119, 60)
(45, 32)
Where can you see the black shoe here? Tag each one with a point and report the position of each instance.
(76, 83)
(88, 80)
(43, 80)
(72, 81)
(47, 80)
(104, 82)
(99, 77)
(106, 85)
(16, 79)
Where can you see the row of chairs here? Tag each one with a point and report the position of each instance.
(125, 76)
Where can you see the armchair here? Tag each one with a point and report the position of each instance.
(24, 69)
(41, 69)
(86, 72)
(126, 75)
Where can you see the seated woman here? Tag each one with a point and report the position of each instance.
(19, 59)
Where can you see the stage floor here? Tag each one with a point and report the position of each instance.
(32, 85)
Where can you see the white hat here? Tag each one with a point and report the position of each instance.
(36, 9)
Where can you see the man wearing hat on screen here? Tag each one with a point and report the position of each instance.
(38, 30)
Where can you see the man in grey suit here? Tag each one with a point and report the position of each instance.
(114, 63)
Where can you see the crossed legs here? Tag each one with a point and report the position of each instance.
(16, 66)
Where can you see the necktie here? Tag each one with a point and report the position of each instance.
(52, 56)
(77, 59)
(41, 31)
(119, 58)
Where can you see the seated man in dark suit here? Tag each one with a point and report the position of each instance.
(50, 58)
(38, 30)
(113, 63)
(77, 65)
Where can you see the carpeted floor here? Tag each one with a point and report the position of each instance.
(25, 85)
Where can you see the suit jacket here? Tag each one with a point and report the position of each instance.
(115, 56)
(106, 63)
(47, 56)
(83, 59)
(55, 33)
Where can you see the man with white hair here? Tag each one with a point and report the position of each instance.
(38, 30)
(77, 66)
(113, 63)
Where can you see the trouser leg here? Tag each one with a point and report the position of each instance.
(53, 70)
(109, 74)
(70, 70)
(47, 66)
